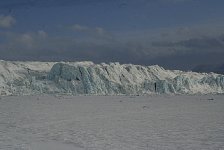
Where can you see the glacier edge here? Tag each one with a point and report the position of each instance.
(87, 78)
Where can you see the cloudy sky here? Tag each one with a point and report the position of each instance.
(176, 34)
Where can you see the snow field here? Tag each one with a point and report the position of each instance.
(158, 122)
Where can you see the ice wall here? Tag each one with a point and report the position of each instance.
(25, 78)
(113, 79)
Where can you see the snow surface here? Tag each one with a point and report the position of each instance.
(157, 122)
(87, 78)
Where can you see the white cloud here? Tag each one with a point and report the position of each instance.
(24, 41)
(92, 31)
(42, 34)
(27, 40)
(80, 28)
(7, 21)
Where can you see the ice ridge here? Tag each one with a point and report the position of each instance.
(87, 78)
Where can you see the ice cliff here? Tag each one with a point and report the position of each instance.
(87, 78)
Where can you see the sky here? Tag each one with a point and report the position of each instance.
(175, 34)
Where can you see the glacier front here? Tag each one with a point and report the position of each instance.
(87, 78)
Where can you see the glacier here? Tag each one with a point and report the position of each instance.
(87, 78)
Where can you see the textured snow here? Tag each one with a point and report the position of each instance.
(87, 78)
(157, 122)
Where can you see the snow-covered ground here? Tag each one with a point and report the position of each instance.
(157, 122)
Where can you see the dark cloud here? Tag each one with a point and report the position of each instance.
(217, 68)
(190, 60)
(17, 4)
(40, 46)
(204, 43)
(14, 4)
(178, 49)
(215, 44)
